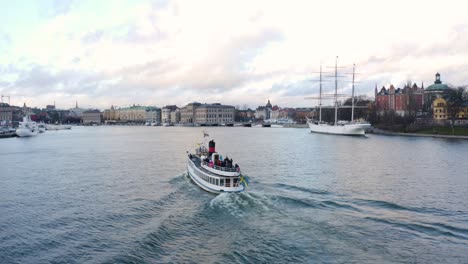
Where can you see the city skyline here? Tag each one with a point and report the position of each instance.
(175, 52)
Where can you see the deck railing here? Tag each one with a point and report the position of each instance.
(220, 167)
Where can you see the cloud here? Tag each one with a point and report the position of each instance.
(173, 51)
(60, 7)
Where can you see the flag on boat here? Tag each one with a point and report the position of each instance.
(244, 180)
(205, 134)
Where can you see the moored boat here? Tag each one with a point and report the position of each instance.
(343, 128)
(41, 127)
(214, 174)
(27, 128)
(351, 128)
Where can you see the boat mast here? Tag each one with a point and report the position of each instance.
(336, 89)
(352, 96)
(320, 97)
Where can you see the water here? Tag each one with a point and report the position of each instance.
(121, 195)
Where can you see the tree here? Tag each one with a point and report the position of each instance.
(455, 100)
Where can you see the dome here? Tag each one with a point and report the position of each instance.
(438, 85)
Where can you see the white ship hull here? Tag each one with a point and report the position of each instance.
(197, 175)
(25, 132)
(351, 129)
(58, 127)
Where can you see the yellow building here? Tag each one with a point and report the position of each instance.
(440, 109)
(133, 113)
(463, 114)
(441, 113)
(111, 114)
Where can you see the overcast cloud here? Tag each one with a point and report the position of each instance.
(103, 53)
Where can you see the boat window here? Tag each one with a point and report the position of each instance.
(228, 182)
(221, 182)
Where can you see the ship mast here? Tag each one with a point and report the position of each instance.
(352, 96)
(336, 89)
(320, 97)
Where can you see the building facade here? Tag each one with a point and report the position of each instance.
(434, 91)
(245, 115)
(402, 101)
(440, 110)
(111, 114)
(187, 113)
(214, 114)
(166, 113)
(153, 115)
(263, 112)
(91, 117)
(132, 114)
(6, 114)
(175, 116)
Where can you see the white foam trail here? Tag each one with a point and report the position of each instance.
(238, 204)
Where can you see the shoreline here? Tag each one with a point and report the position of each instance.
(389, 133)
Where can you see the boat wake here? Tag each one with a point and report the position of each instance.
(240, 204)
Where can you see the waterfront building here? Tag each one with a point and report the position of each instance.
(153, 115)
(275, 111)
(263, 112)
(133, 114)
(440, 110)
(187, 113)
(434, 91)
(288, 113)
(175, 116)
(76, 112)
(302, 113)
(401, 101)
(214, 114)
(6, 114)
(111, 114)
(91, 117)
(245, 115)
(166, 113)
(439, 107)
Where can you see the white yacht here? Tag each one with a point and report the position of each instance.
(207, 169)
(352, 128)
(27, 128)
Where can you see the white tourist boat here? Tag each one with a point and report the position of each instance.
(351, 128)
(207, 169)
(27, 128)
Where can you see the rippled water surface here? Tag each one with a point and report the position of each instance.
(122, 195)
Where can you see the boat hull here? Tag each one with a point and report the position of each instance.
(195, 174)
(24, 132)
(347, 129)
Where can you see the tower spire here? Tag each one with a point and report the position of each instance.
(76, 104)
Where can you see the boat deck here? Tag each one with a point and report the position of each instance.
(197, 161)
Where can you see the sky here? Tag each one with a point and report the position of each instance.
(241, 53)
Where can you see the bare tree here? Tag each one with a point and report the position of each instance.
(454, 105)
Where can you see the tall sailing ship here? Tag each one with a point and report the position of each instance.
(352, 127)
